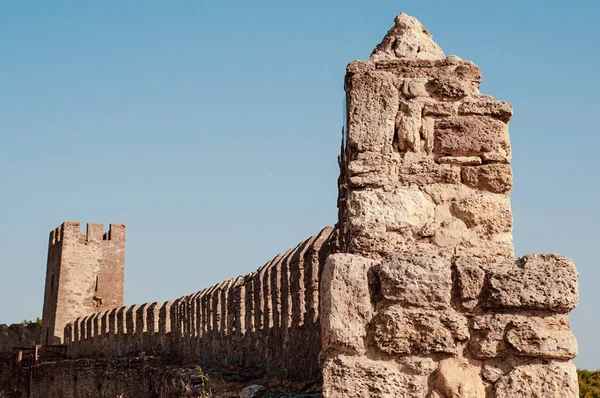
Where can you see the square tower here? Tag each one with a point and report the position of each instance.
(85, 274)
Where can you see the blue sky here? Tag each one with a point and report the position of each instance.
(211, 128)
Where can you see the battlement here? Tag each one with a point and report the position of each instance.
(231, 323)
(94, 232)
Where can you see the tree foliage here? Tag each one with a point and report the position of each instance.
(589, 383)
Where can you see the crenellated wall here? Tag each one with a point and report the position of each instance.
(266, 320)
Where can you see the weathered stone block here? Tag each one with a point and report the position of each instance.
(464, 136)
(378, 210)
(408, 124)
(414, 88)
(361, 377)
(438, 108)
(345, 302)
(416, 169)
(495, 178)
(491, 214)
(550, 337)
(469, 280)
(486, 105)
(535, 281)
(487, 338)
(371, 169)
(553, 380)
(450, 87)
(416, 279)
(459, 378)
(460, 160)
(415, 331)
(372, 107)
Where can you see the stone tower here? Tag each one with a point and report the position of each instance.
(85, 274)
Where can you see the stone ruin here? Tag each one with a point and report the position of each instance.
(414, 293)
(425, 297)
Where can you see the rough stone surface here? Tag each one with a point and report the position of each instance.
(390, 210)
(495, 178)
(419, 280)
(460, 160)
(429, 199)
(535, 281)
(400, 331)
(548, 337)
(468, 136)
(459, 378)
(361, 377)
(408, 39)
(554, 380)
(372, 94)
(470, 278)
(489, 214)
(253, 391)
(486, 105)
(497, 335)
(346, 306)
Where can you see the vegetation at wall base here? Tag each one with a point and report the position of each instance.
(589, 383)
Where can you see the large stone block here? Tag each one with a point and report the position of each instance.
(379, 210)
(372, 106)
(419, 170)
(486, 105)
(497, 335)
(361, 377)
(408, 124)
(553, 380)
(535, 281)
(345, 302)
(469, 280)
(548, 337)
(487, 337)
(416, 279)
(495, 177)
(490, 214)
(372, 169)
(464, 136)
(414, 331)
(460, 378)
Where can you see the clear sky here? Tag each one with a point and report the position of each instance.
(211, 128)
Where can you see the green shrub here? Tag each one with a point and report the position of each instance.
(589, 383)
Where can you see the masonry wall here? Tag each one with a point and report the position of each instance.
(266, 320)
(17, 335)
(426, 298)
(85, 274)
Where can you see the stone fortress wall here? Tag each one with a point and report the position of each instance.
(416, 292)
(266, 320)
(17, 335)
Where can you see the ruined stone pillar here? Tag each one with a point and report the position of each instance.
(426, 298)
